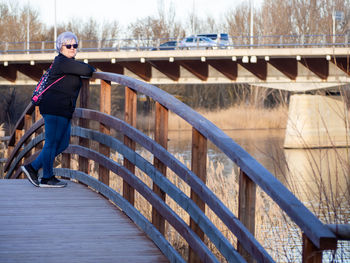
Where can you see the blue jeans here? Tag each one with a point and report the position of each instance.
(57, 135)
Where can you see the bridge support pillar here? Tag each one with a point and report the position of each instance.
(316, 121)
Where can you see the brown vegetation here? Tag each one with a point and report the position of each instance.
(239, 117)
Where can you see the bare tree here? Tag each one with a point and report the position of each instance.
(110, 31)
(276, 12)
(151, 28)
(237, 24)
(193, 21)
(316, 17)
(90, 32)
(211, 25)
(14, 20)
(173, 28)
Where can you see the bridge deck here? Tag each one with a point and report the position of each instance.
(72, 224)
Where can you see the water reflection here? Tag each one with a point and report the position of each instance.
(318, 171)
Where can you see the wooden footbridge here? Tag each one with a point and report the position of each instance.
(89, 221)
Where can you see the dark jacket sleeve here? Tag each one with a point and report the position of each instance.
(73, 67)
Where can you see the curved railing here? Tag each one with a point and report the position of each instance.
(25, 147)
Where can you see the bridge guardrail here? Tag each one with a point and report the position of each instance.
(269, 41)
(317, 236)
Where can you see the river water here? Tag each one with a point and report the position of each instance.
(318, 177)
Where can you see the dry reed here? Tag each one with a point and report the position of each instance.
(238, 117)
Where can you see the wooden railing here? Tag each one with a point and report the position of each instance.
(24, 146)
(3, 160)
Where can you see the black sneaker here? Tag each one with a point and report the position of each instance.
(31, 174)
(52, 182)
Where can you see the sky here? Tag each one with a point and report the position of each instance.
(126, 11)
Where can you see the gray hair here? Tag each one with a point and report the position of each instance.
(64, 38)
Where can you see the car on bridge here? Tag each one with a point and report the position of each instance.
(170, 45)
(221, 39)
(197, 42)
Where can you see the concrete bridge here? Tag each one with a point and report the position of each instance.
(293, 69)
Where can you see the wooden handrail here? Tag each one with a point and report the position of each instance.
(340, 230)
(185, 174)
(133, 181)
(197, 185)
(252, 173)
(319, 234)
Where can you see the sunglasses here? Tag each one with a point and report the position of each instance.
(69, 46)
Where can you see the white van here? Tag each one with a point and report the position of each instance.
(222, 39)
(198, 42)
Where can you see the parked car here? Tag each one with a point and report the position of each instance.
(221, 39)
(197, 42)
(170, 45)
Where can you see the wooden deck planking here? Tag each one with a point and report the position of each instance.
(72, 224)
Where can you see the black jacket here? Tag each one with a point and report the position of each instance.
(60, 99)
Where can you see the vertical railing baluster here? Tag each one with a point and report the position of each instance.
(129, 117)
(105, 107)
(66, 159)
(246, 208)
(161, 137)
(311, 254)
(28, 121)
(37, 116)
(84, 99)
(199, 167)
(18, 135)
(9, 150)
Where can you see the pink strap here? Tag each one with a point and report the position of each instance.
(37, 87)
(53, 83)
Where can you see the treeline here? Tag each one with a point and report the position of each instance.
(273, 17)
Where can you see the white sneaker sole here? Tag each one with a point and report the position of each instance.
(51, 186)
(28, 176)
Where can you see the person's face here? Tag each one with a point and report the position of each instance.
(68, 50)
